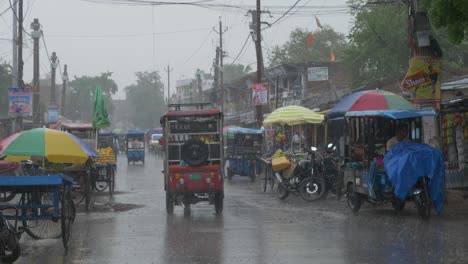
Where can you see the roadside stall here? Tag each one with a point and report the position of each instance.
(287, 121)
(454, 126)
(45, 208)
(105, 166)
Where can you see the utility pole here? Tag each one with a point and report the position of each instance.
(64, 86)
(20, 44)
(53, 65)
(221, 55)
(168, 70)
(257, 37)
(216, 78)
(15, 45)
(36, 35)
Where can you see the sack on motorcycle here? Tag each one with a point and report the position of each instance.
(289, 171)
(279, 164)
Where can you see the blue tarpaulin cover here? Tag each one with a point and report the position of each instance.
(406, 162)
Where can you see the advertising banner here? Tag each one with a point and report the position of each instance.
(422, 79)
(52, 114)
(260, 94)
(20, 101)
(317, 74)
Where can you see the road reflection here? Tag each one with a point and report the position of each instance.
(194, 238)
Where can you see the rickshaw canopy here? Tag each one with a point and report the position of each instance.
(242, 130)
(393, 114)
(135, 133)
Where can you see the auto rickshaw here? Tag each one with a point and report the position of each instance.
(135, 142)
(193, 145)
(398, 175)
(243, 149)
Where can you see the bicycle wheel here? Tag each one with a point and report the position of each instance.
(78, 191)
(6, 196)
(40, 228)
(67, 216)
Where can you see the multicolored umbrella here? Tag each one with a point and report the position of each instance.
(57, 146)
(7, 141)
(370, 100)
(293, 115)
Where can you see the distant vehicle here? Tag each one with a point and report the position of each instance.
(154, 145)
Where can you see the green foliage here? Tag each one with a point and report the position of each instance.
(296, 51)
(235, 71)
(146, 100)
(378, 43)
(80, 98)
(452, 14)
(5, 83)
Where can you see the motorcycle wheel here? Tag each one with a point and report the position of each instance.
(423, 205)
(354, 199)
(312, 189)
(398, 205)
(281, 192)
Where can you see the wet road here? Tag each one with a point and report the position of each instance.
(255, 228)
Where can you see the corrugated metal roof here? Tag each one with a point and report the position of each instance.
(459, 84)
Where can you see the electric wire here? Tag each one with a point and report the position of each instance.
(284, 14)
(242, 49)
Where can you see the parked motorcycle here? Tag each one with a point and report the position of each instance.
(329, 168)
(9, 238)
(298, 178)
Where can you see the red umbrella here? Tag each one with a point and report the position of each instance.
(7, 141)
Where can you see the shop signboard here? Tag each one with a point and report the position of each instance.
(317, 74)
(423, 80)
(52, 114)
(20, 101)
(260, 94)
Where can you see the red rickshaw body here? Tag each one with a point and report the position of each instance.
(193, 155)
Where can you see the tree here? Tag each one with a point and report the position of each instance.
(235, 71)
(80, 98)
(146, 99)
(296, 51)
(451, 14)
(5, 83)
(378, 44)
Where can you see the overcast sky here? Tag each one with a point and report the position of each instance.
(94, 37)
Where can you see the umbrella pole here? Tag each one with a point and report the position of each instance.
(315, 135)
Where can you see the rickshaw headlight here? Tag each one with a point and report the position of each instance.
(208, 180)
(177, 176)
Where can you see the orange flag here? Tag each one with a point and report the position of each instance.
(310, 39)
(332, 55)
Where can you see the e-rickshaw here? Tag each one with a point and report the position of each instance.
(368, 176)
(135, 142)
(243, 149)
(193, 143)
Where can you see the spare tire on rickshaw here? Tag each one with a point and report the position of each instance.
(195, 152)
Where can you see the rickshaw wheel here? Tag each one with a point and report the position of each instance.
(67, 217)
(6, 196)
(398, 205)
(13, 256)
(230, 173)
(218, 203)
(281, 191)
(423, 204)
(40, 229)
(354, 199)
(169, 203)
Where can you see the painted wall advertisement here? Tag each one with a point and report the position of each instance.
(317, 74)
(20, 101)
(260, 94)
(422, 79)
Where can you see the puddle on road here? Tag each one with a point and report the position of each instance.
(111, 207)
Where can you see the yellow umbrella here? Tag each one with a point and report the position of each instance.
(293, 115)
